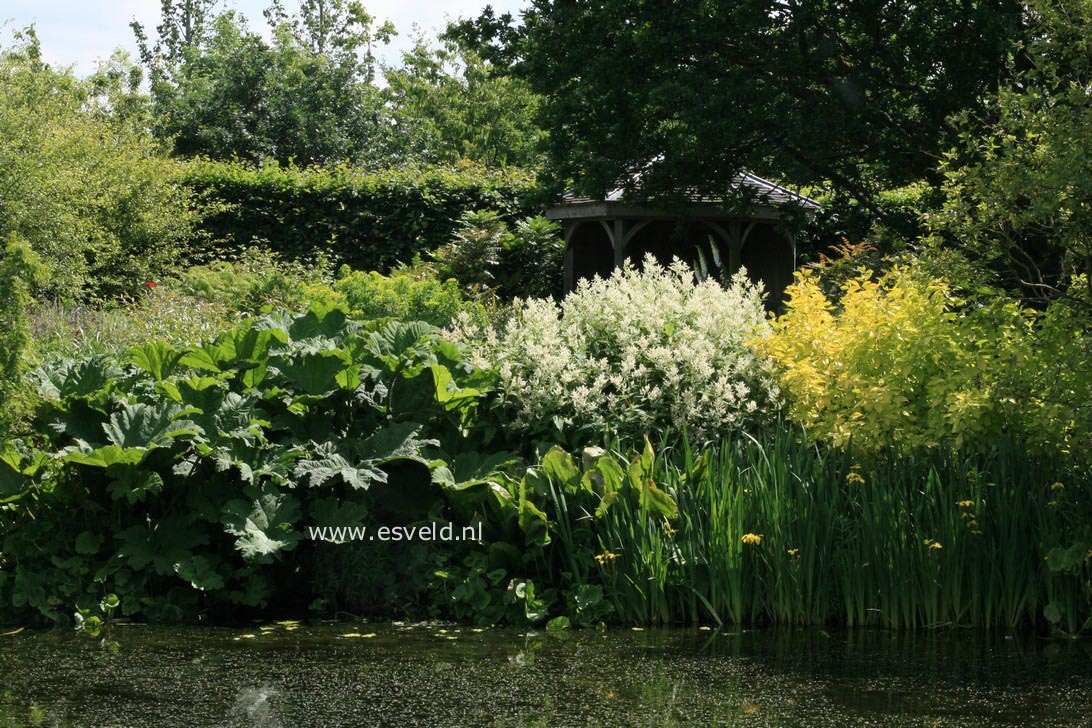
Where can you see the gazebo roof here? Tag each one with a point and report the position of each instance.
(770, 196)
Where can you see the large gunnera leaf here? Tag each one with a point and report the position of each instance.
(264, 526)
(163, 544)
(146, 425)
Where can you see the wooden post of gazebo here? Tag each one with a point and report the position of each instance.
(600, 235)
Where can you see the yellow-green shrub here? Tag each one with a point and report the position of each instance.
(258, 278)
(410, 293)
(904, 362)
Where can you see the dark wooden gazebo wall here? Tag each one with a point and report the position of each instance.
(601, 237)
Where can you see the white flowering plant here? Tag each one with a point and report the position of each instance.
(645, 351)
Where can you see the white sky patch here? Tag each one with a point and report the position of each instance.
(81, 33)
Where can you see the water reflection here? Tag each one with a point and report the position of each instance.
(256, 707)
(289, 674)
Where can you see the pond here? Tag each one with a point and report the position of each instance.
(290, 674)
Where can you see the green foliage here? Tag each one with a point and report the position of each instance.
(410, 293)
(185, 479)
(892, 219)
(485, 255)
(456, 106)
(221, 90)
(86, 188)
(777, 531)
(369, 221)
(472, 256)
(829, 91)
(1018, 183)
(257, 278)
(904, 361)
(20, 269)
(532, 260)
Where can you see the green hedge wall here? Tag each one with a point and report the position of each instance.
(370, 220)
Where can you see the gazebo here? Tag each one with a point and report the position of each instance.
(600, 235)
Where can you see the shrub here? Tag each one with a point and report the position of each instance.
(906, 362)
(486, 255)
(473, 254)
(532, 260)
(641, 351)
(257, 278)
(183, 480)
(93, 195)
(410, 293)
(20, 268)
(367, 220)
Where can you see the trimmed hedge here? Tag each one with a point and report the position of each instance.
(368, 220)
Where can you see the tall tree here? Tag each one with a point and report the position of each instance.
(1018, 185)
(340, 29)
(454, 105)
(184, 26)
(855, 93)
(81, 182)
(308, 95)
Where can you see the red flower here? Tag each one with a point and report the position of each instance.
(149, 284)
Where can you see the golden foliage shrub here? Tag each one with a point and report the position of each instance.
(901, 360)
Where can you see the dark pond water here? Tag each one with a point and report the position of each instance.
(364, 674)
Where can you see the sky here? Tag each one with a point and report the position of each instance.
(80, 32)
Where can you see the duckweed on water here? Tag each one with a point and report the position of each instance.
(417, 675)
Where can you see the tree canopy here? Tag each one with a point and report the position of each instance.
(455, 105)
(1018, 184)
(220, 90)
(81, 182)
(854, 93)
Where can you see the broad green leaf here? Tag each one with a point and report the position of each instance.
(106, 456)
(1070, 559)
(560, 467)
(200, 574)
(73, 379)
(88, 543)
(162, 544)
(132, 483)
(333, 465)
(532, 520)
(471, 468)
(558, 624)
(349, 378)
(314, 373)
(17, 471)
(605, 477)
(336, 513)
(318, 321)
(448, 392)
(236, 349)
(607, 502)
(1052, 613)
(146, 425)
(206, 359)
(158, 358)
(657, 501)
(265, 526)
(394, 442)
